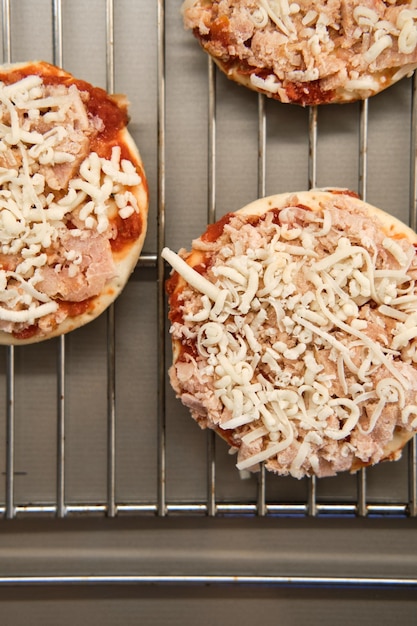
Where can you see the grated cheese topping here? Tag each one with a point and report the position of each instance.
(301, 346)
(301, 42)
(50, 184)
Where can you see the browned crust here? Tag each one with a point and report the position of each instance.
(314, 199)
(125, 259)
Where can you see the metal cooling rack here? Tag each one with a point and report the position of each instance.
(258, 502)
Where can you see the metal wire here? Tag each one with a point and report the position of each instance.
(10, 414)
(10, 351)
(160, 264)
(7, 45)
(111, 313)
(196, 580)
(242, 509)
(57, 55)
(211, 217)
(412, 446)
(362, 189)
(312, 183)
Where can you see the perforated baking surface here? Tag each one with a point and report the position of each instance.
(90, 424)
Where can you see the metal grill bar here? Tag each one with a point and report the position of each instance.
(261, 146)
(261, 486)
(312, 146)
(211, 217)
(363, 149)
(57, 51)
(412, 477)
(61, 429)
(111, 314)
(413, 155)
(7, 48)
(10, 414)
(10, 351)
(160, 263)
(57, 44)
(111, 412)
(312, 183)
(362, 188)
(222, 509)
(276, 581)
(412, 446)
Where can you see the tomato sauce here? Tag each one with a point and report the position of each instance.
(175, 314)
(73, 309)
(214, 231)
(187, 348)
(308, 94)
(128, 231)
(344, 192)
(26, 333)
(219, 32)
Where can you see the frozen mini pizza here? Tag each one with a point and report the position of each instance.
(308, 53)
(294, 332)
(73, 201)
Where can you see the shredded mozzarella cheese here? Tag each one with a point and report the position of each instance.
(32, 220)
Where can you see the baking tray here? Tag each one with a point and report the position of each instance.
(96, 450)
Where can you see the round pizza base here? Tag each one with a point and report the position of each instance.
(126, 259)
(331, 66)
(313, 199)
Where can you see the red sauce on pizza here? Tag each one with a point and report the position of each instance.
(344, 192)
(188, 348)
(175, 314)
(214, 231)
(275, 213)
(128, 231)
(201, 268)
(308, 93)
(219, 30)
(26, 333)
(73, 309)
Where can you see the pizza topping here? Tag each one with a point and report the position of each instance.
(300, 347)
(352, 47)
(58, 200)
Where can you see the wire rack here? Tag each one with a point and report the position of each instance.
(91, 425)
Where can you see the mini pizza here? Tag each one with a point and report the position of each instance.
(73, 201)
(294, 332)
(308, 53)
